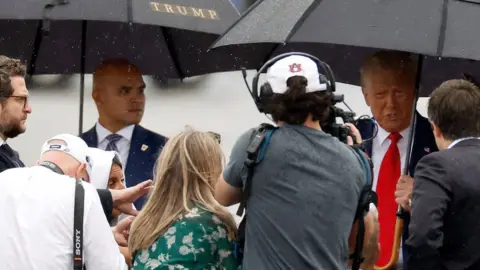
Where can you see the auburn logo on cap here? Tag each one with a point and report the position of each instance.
(294, 68)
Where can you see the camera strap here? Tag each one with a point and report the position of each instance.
(52, 166)
(77, 216)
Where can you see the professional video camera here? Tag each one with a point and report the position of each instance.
(330, 126)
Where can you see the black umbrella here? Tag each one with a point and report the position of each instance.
(445, 28)
(168, 40)
(430, 27)
(344, 43)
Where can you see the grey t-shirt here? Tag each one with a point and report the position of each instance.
(303, 200)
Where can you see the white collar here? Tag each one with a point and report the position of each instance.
(462, 139)
(382, 134)
(125, 132)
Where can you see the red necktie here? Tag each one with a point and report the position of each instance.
(387, 208)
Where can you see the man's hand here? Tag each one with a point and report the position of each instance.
(120, 232)
(403, 193)
(356, 134)
(123, 199)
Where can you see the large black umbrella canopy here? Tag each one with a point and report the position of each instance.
(446, 28)
(200, 15)
(163, 52)
(167, 39)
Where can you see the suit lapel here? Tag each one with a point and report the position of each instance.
(90, 137)
(138, 156)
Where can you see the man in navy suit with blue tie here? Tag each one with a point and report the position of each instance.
(388, 83)
(118, 92)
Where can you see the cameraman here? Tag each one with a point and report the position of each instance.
(305, 192)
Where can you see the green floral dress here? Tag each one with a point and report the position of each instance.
(198, 240)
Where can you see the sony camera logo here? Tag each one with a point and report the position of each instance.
(78, 245)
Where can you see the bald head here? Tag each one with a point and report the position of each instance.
(111, 69)
(69, 165)
(118, 92)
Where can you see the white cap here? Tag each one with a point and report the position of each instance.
(73, 145)
(101, 162)
(295, 65)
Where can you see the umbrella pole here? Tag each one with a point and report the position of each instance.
(36, 49)
(82, 76)
(399, 224)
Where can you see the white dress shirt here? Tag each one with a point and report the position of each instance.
(380, 146)
(462, 139)
(36, 229)
(123, 145)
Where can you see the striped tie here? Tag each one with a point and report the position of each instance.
(112, 142)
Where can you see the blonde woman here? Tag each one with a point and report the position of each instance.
(182, 226)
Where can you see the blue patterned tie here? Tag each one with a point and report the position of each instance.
(112, 142)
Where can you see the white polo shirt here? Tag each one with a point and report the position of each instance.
(36, 226)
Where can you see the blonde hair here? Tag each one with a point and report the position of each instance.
(185, 175)
(400, 62)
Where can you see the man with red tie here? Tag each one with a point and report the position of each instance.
(388, 83)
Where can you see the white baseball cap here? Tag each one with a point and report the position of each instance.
(101, 162)
(294, 65)
(73, 145)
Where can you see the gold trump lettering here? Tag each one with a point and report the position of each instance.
(207, 14)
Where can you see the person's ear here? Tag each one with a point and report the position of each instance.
(96, 96)
(37, 162)
(81, 172)
(436, 131)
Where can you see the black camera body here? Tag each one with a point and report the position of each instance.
(335, 129)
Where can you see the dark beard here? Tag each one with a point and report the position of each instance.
(9, 129)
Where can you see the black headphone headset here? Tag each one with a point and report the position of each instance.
(326, 77)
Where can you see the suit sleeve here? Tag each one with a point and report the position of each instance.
(430, 200)
(107, 202)
(4, 166)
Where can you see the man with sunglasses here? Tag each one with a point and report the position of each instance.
(14, 109)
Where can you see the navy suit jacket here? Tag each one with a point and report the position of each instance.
(141, 161)
(423, 144)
